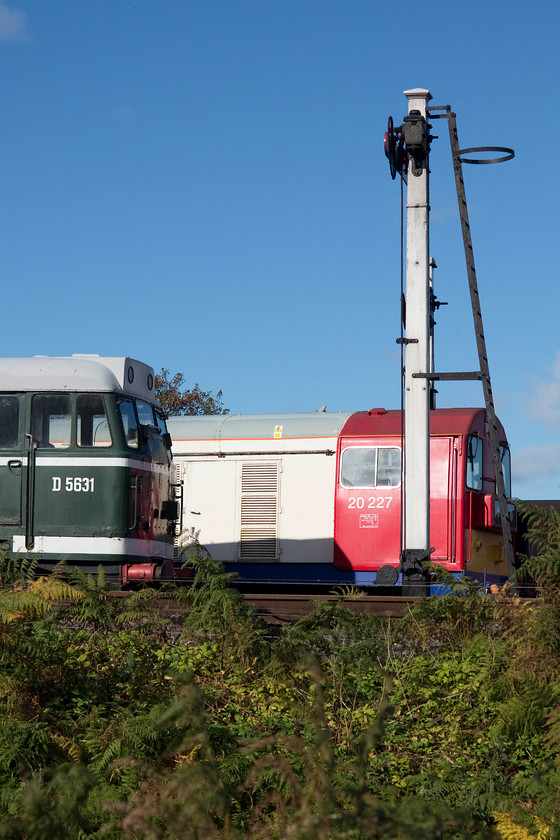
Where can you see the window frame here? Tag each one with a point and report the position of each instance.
(77, 415)
(17, 444)
(472, 479)
(505, 457)
(131, 401)
(68, 418)
(377, 450)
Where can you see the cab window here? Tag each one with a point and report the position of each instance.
(145, 413)
(9, 422)
(130, 423)
(92, 427)
(51, 420)
(388, 467)
(367, 466)
(505, 455)
(474, 462)
(160, 420)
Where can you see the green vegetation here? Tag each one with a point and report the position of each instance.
(118, 723)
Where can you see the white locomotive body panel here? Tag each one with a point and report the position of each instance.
(259, 488)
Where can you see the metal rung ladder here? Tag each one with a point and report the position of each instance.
(479, 332)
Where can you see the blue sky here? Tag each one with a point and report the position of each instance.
(202, 185)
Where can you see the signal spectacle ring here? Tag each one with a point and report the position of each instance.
(509, 154)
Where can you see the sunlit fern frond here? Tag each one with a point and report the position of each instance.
(68, 747)
(20, 604)
(55, 589)
(543, 827)
(508, 829)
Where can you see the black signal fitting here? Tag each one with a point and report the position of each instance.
(417, 140)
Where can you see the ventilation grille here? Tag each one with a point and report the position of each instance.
(259, 511)
(258, 544)
(259, 478)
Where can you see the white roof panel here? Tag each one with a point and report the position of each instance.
(257, 426)
(84, 373)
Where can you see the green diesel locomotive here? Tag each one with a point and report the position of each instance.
(86, 471)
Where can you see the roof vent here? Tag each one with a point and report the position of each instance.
(377, 411)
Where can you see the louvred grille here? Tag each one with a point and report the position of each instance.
(259, 511)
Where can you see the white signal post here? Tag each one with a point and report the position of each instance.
(416, 526)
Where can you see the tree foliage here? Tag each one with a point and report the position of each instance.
(176, 400)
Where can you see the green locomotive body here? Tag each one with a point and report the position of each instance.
(85, 466)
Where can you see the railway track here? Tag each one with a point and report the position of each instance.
(285, 609)
(288, 608)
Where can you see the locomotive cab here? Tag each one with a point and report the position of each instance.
(465, 530)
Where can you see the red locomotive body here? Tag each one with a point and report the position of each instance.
(464, 529)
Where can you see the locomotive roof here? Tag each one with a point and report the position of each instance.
(78, 373)
(376, 421)
(257, 426)
(443, 421)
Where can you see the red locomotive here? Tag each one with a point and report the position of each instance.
(317, 498)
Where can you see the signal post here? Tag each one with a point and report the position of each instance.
(407, 148)
(416, 523)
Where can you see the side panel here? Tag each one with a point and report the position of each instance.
(209, 490)
(306, 518)
(261, 508)
(76, 496)
(88, 508)
(11, 483)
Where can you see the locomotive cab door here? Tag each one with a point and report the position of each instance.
(444, 512)
(367, 518)
(12, 459)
